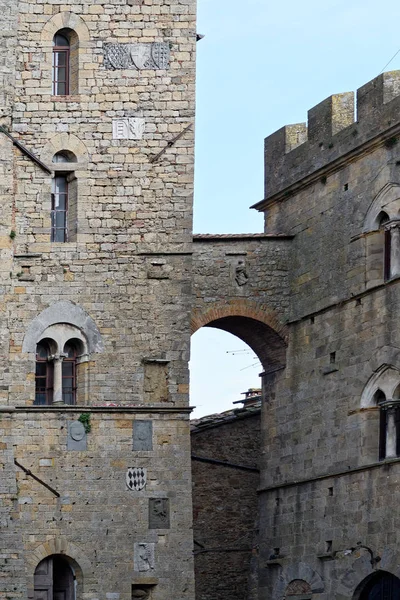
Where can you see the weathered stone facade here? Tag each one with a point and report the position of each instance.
(225, 475)
(315, 296)
(322, 317)
(329, 492)
(120, 284)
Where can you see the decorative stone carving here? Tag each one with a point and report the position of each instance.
(77, 439)
(159, 513)
(142, 435)
(297, 587)
(131, 128)
(136, 478)
(140, 592)
(241, 276)
(137, 56)
(144, 557)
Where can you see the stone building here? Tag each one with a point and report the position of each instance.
(331, 440)
(225, 475)
(95, 243)
(317, 298)
(102, 284)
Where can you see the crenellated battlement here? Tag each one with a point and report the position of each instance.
(296, 151)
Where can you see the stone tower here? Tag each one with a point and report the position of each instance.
(96, 158)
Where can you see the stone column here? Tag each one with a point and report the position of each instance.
(390, 407)
(394, 228)
(391, 432)
(57, 381)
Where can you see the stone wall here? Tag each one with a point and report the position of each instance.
(241, 285)
(225, 503)
(122, 280)
(327, 500)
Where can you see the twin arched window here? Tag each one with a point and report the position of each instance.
(59, 354)
(383, 392)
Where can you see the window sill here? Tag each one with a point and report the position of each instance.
(69, 98)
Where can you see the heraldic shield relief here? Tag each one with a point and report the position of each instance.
(136, 478)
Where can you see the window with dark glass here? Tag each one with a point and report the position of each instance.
(59, 209)
(43, 375)
(64, 199)
(61, 64)
(383, 218)
(69, 374)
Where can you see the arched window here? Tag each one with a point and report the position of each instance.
(298, 589)
(58, 366)
(389, 424)
(379, 586)
(44, 374)
(61, 63)
(64, 199)
(56, 578)
(69, 373)
(382, 219)
(379, 400)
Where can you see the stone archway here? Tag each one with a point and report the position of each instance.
(57, 577)
(79, 563)
(381, 585)
(254, 323)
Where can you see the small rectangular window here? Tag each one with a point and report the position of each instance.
(59, 209)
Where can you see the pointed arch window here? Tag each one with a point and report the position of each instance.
(389, 424)
(383, 219)
(61, 63)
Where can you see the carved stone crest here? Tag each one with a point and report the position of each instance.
(241, 276)
(131, 128)
(137, 56)
(158, 513)
(77, 438)
(136, 478)
(144, 557)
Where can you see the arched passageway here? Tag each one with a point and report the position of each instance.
(56, 579)
(226, 450)
(379, 586)
(262, 339)
(255, 324)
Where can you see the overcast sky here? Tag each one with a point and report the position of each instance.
(262, 65)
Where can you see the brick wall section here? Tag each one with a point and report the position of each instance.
(225, 506)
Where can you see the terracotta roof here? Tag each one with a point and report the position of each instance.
(218, 419)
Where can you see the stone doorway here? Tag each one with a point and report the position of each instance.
(54, 579)
(380, 586)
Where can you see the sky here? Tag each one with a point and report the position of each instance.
(262, 65)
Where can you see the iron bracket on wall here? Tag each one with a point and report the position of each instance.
(30, 474)
(25, 151)
(154, 158)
